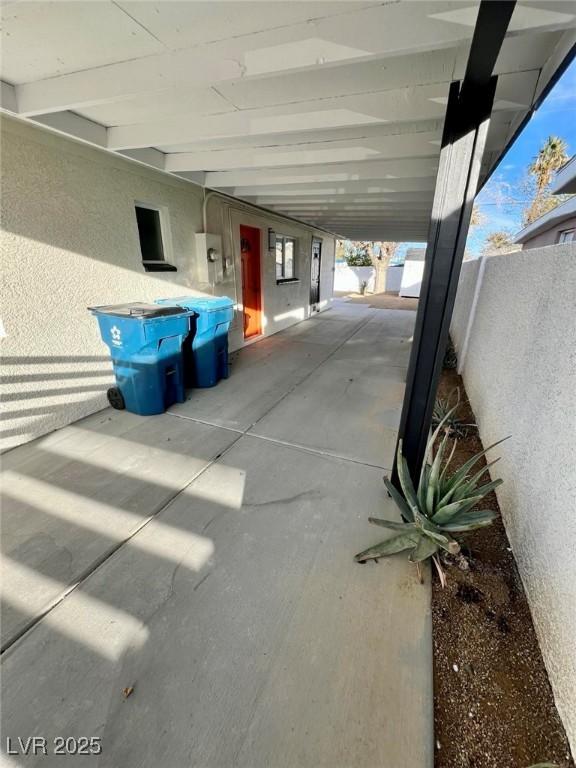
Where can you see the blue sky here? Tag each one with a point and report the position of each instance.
(556, 116)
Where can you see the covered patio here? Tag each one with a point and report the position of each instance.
(204, 559)
(182, 587)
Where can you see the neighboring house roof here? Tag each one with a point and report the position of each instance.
(554, 217)
(565, 181)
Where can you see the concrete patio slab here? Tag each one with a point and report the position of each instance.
(344, 308)
(390, 323)
(389, 352)
(211, 569)
(263, 373)
(347, 408)
(385, 339)
(71, 497)
(328, 328)
(248, 633)
(350, 405)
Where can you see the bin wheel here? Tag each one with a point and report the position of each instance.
(116, 399)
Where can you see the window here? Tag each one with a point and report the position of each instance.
(567, 236)
(285, 258)
(152, 245)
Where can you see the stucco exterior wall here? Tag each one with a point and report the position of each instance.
(283, 304)
(466, 289)
(549, 236)
(520, 376)
(69, 241)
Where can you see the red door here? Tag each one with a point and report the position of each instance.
(250, 254)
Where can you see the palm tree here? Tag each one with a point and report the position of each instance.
(550, 158)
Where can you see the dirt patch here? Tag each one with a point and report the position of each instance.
(380, 300)
(493, 705)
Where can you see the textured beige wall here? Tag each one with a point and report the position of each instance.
(69, 240)
(520, 375)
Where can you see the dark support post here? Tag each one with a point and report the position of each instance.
(463, 140)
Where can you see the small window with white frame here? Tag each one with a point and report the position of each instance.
(567, 235)
(154, 238)
(285, 258)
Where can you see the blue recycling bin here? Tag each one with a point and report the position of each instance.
(145, 342)
(207, 345)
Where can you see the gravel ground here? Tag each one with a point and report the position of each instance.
(493, 702)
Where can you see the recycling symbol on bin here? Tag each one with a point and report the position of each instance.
(116, 334)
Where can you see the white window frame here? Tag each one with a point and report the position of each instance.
(165, 234)
(283, 239)
(567, 235)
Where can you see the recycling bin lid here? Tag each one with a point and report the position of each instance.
(199, 303)
(138, 309)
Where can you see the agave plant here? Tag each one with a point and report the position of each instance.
(442, 505)
(446, 413)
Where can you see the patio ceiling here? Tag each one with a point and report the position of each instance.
(330, 112)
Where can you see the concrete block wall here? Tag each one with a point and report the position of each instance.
(69, 241)
(464, 301)
(520, 375)
(350, 279)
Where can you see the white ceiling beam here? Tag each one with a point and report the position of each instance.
(115, 82)
(389, 233)
(327, 210)
(396, 232)
(398, 105)
(374, 169)
(355, 197)
(418, 216)
(382, 226)
(562, 49)
(344, 136)
(393, 139)
(346, 200)
(356, 78)
(382, 31)
(148, 156)
(224, 180)
(8, 100)
(73, 125)
(349, 187)
(303, 151)
(262, 159)
(415, 225)
(339, 226)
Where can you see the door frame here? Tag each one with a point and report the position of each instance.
(320, 242)
(259, 335)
